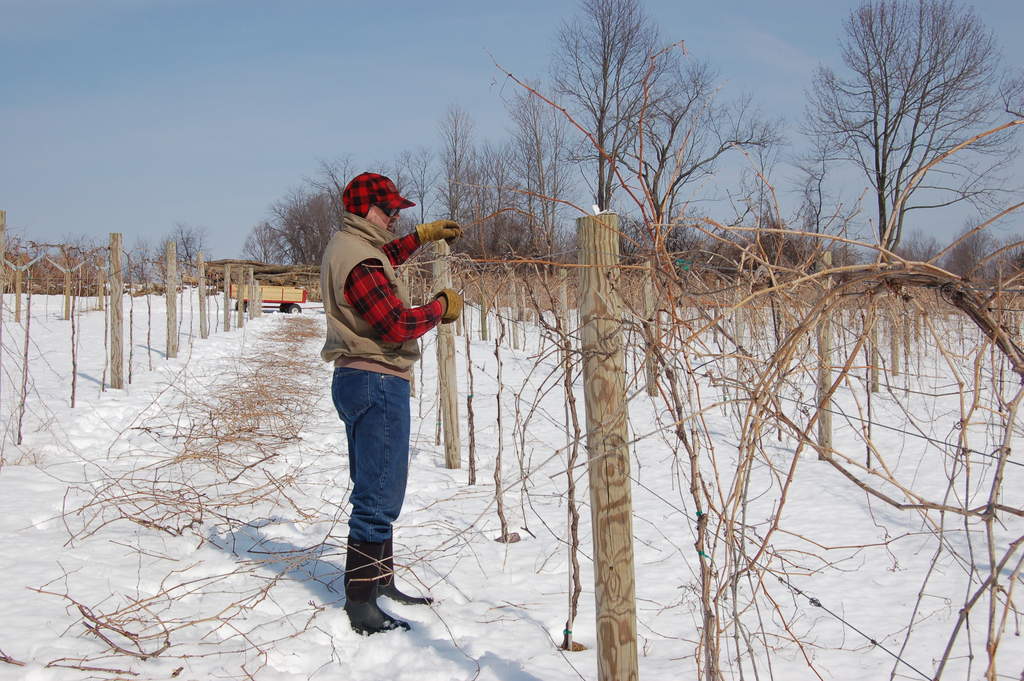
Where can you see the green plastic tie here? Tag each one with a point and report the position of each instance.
(567, 632)
(704, 554)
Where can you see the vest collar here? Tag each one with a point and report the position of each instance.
(367, 230)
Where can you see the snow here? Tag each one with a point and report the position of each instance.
(239, 566)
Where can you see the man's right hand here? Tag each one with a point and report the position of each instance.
(452, 302)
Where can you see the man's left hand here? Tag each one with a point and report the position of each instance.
(437, 230)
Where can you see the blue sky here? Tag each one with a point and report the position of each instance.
(134, 115)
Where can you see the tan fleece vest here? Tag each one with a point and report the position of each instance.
(349, 336)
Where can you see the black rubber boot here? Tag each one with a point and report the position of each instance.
(386, 586)
(362, 575)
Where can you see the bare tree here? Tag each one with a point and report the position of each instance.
(188, 241)
(1013, 95)
(600, 67)
(419, 175)
(457, 157)
(687, 130)
(500, 230)
(305, 221)
(540, 154)
(141, 259)
(918, 246)
(331, 180)
(920, 79)
(967, 258)
(264, 244)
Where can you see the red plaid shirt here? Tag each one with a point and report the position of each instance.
(368, 290)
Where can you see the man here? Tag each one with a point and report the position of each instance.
(371, 339)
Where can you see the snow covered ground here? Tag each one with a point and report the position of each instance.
(130, 514)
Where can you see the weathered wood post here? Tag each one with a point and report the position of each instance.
(516, 314)
(17, 295)
(240, 300)
(611, 502)
(255, 296)
(67, 288)
(3, 269)
(825, 370)
(227, 297)
(653, 331)
(894, 338)
(116, 312)
(873, 351)
(484, 310)
(462, 317)
(171, 296)
(449, 407)
(101, 284)
(204, 322)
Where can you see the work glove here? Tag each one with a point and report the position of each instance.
(437, 230)
(452, 305)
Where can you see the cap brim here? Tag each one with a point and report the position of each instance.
(401, 203)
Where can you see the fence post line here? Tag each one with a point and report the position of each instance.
(446, 365)
(116, 312)
(204, 322)
(825, 371)
(171, 296)
(227, 297)
(611, 504)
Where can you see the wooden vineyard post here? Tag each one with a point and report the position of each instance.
(465, 311)
(3, 264)
(825, 371)
(3, 270)
(894, 338)
(563, 306)
(874, 355)
(611, 504)
(204, 322)
(67, 294)
(446, 366)
(116, 313)
(171, 296)
(255, 296)
(101, 286)
(227, 297)
(3, 252)
(240, 295)
(653, 333)
(484, 311)
(17, 295)
(515, 316)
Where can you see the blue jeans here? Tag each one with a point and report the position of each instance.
(375, 409)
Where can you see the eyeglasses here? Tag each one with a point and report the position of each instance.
(390, 212)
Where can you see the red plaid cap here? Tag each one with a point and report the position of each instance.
(369, 189)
